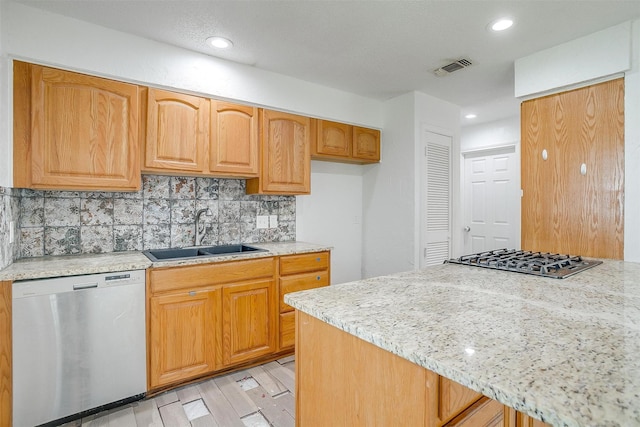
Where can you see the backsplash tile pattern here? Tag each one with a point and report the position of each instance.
(161, 215)
(9, 212)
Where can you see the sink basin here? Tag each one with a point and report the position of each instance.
(199, 252)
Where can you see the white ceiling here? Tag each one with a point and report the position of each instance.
(378, 49)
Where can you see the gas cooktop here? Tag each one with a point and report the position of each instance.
(543, 264)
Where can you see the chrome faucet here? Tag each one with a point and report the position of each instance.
(201, 229)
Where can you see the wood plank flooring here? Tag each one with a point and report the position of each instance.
(261, 396)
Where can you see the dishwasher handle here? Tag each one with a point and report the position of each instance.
(84, 286)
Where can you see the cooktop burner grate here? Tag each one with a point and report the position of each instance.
(538, 263)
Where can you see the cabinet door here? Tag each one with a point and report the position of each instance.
(563, 210)
(527, 421)
(286, 155)
(454, 397)
(333, 139)
(301, 282)
(74, 131)
(182, 331)
(177, 132)
(485, 413)
(366, 144)
(234, 139)
(249, 321)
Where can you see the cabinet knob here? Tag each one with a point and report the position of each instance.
(192, 293)
(318, 278)
(318, 259)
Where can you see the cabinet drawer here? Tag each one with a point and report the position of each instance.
(454, 398)
(301, 282)
(173, 278)
(287, 329)
(484, 413)
(293, 264)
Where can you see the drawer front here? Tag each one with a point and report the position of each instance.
(287, 330)
(173, 278)
(454, 398)
(484, 413)
(301, 282)
(293, 264)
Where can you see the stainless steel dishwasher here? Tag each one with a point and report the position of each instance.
(78, 345)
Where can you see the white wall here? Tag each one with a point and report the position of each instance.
(598, 47)
(600, 54)
(391, 205)
(38, 36)
(332, 215)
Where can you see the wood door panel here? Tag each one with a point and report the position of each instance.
(454, 397)
(484, 413)
(563, 210)
(83, 131)
(333, 139)
(249, 321)
(366, 144)
(287, 330)
(177, 131)
(182, 336)
(6, 373)
(234, 139)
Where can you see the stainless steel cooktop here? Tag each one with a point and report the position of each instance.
(557, 266)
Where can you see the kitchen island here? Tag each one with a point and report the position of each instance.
(562, 351)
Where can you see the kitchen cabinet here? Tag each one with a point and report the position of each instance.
(249, 321)
(485, 413)
(6, 364)
(183, 335)
(358, 383)
(285, 156)
(177, 132)
(568, 207)
(234, 148)
(340, 142)
(207, 317)
(527, 421)
(73, 131)
(298, 273)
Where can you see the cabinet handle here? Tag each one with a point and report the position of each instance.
(318, 259)
(192, 293)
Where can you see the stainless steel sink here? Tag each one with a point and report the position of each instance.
(199, 252)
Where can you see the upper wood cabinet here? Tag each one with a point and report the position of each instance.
(73, 131)
(177, 132)
(340, 142)
(285, 158)
(366, 144)
(568, 207)
(234, 139)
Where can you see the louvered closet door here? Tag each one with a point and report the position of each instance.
(436, 199)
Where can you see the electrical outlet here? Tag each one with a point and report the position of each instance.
(12, 231)
(273, 221)
(262, 221)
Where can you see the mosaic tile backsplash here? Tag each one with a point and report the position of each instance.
(9, 211)
(161, 215)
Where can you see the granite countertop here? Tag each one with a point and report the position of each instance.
(72, 265)
(566, 351)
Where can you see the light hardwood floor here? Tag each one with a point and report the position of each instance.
(261, 396)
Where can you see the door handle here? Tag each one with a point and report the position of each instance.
(467, 229)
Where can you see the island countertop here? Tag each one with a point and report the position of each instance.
(566, 351)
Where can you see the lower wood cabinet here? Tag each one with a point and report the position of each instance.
(249, 319)
(344, 380)
(298, 273)
(183, 335)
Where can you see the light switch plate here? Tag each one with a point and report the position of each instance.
(262, 221)
(273, 221)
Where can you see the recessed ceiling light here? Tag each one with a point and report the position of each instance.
(501, 24)
(219, 42)
(470, 116)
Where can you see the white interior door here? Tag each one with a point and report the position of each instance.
(491, 200)
(436, 199)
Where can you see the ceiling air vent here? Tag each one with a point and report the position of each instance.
(454, 66)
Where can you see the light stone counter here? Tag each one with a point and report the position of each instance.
(566, 351)
(72, 265)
